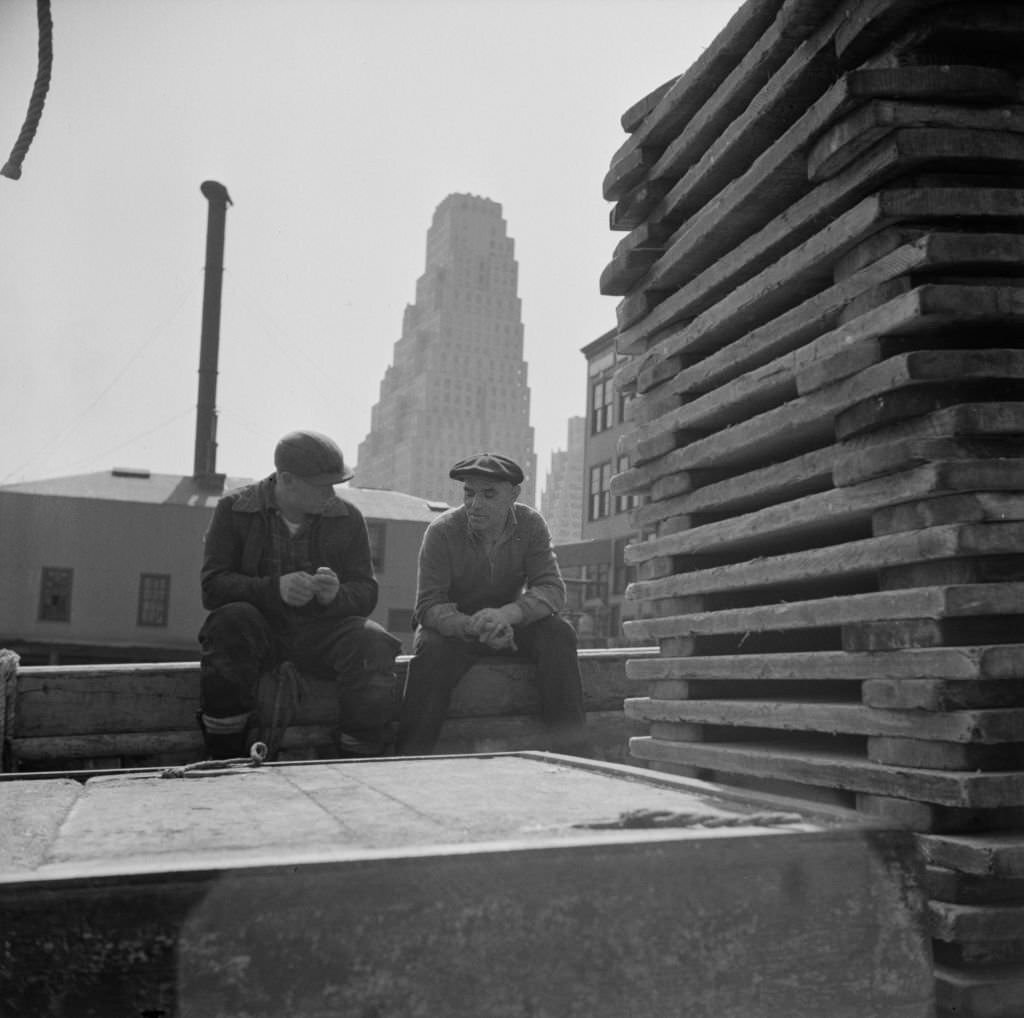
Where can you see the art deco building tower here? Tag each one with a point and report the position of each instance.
(457, 383)
(562, 501)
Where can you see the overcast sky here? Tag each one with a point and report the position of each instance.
(337, 127)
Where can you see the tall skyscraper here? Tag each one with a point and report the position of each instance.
(457, 383)
(562, 501)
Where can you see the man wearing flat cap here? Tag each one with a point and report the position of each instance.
(288, 580)
(489, 583)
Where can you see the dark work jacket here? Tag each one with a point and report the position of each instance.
(239, 537)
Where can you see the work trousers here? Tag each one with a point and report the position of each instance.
(239, 646)
(439, 662)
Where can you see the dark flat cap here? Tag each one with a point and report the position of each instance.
(312, 456)
(488, 464)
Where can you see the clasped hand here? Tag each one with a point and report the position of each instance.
(298, 589)
(490, 627)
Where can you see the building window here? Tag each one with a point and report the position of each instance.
(624, 503)
(624, 400)
(602, 406)
(600, 494)
(55, 595)
(575, 578)
(377, 534)
(154, 599)
(400, 620)
(622, 573)
(597, 582)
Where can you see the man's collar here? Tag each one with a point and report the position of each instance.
(262, 496)
(511, 522)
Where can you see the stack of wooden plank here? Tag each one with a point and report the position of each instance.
(822, 282)
(88, 716)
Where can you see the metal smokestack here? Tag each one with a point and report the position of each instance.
(205, 464)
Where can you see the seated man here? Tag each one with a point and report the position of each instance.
(489, 584)
(287, 576)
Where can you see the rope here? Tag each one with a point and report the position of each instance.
(12, 168)
(648, 818)
(208, 768)
(290, 688)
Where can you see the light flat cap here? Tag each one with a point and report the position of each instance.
(312, 456)
(487, 464)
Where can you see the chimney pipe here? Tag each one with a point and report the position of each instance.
(204, 468)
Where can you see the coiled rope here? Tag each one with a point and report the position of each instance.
(648, 818)
(12, 168)
(211, 768)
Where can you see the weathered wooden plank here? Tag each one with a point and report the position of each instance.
(970, 507)
(946, 756)
(996, 420)
(878, 245)
(899, 154)
(998, 855)
(810, 73)
(836, 508)
(930, 818)
(807, 421)
(775, 180)
(936, 694)
(114, 711)
(763, 152)
(635, 208)
(628, 266)
(836, 770)
(864, 636)
(791, 478)
(865, 340)
(978, 954)
(628, 170)
(793, 277)
(95, 700)
(880, 332)
(852, 135)
(992, 30)
(886, 409)
(826, 351)
(871, 214)
(975, 922)
(756, 391)
(987, 992)
(872, 23)
(913, 603)
(607, 731)
(186, 743)
(678, 102)
(858, 466)
(847, 559)
(8, 693)
(808, 515)
(917, 484)
(973, 664)
(638, 112)
(985, 727)
(621, 274)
